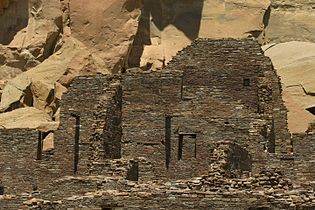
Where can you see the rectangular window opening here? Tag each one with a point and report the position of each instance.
(181, 144)
(112, 207)
(39, 145)
(76, 141)
(246, 82)
(1, 190)
(168, 133)
(272, 139)
(133, 172)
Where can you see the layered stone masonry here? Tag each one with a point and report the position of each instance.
(21, 169)
(82, 100)
(213, 91)
(214, 113)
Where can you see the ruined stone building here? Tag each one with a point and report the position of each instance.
(209, 131)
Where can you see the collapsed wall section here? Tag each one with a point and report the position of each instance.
(274, 111)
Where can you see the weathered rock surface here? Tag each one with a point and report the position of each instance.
(107, 29)
(32, 26)
(295, 64)
(13, 17)
(36, 119)
(290, 20)
(56, 44)
(38, 84)
(48, 142)
(6, 73)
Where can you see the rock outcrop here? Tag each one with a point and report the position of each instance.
(290, 20)
(43, 85)
(295, 64)
(107, 29)
(36, 119)
(57, 44)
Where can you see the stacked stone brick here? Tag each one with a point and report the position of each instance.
(207, 132)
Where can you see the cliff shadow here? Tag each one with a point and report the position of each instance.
(185, 15)
(14, 18)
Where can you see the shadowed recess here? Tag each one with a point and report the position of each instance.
(185, 15)
(13, 19)
(266, 17)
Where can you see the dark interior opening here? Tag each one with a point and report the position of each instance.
(259, 208)
(76, 141)
(1, 190)
(246, 82)
(272, 139)
(39, 145)
(112, 207)
(311, 109)
(133, 172)
(168, 133)
(40, 142)
(181, 144)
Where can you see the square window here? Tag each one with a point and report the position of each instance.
(246, 82)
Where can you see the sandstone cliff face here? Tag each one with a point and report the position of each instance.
(167, 26)
(13, 18)
(105, 28)
(295, 65)
(44, 44)
(290, 20)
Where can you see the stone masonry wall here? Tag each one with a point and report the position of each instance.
(210, 89)
(148, 97)
(266, 190)
(20, 171)
(105, 141)
(18, 154)
(209, 132)
(215, 77)
(304, 163)
(278, 111)
(81, 99)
